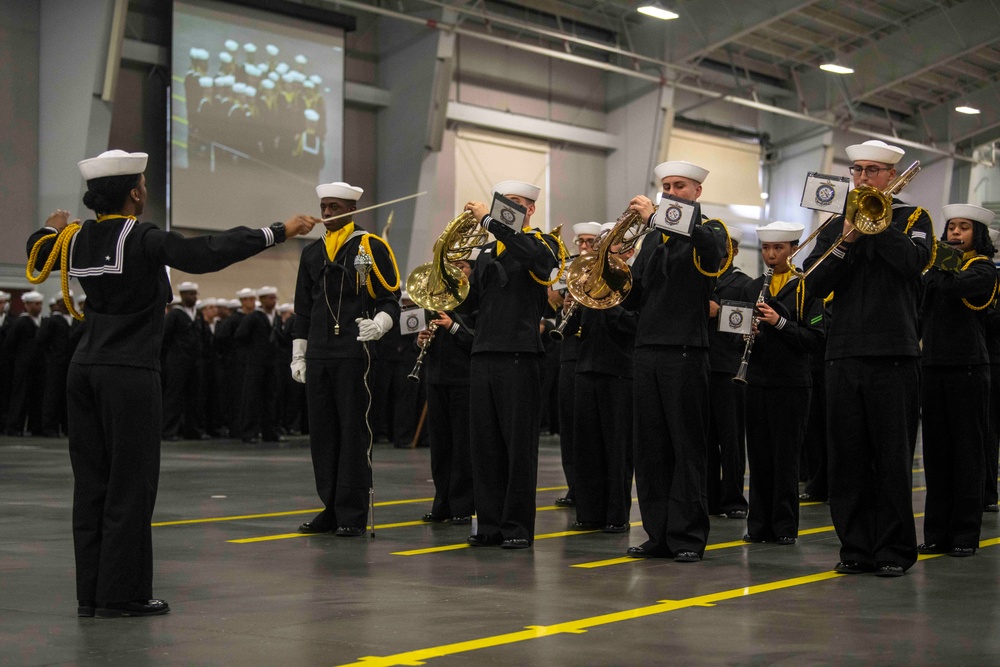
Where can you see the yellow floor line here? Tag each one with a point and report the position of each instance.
(579, 626)
(287, 536)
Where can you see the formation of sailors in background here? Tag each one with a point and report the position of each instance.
(834, 370)
(240, 103)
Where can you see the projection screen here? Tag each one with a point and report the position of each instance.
(256, 115)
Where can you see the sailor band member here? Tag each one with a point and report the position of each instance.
(335, 312)
(509, 297)
(955, 384)
(872, 358)
(673, 278)
(779, 380)
(113, 387)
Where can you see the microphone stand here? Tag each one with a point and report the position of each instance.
(363, 265)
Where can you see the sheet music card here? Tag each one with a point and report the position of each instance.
(677, 216)
(412, 320)
(826, 193)
(508, 213)
(735, 317)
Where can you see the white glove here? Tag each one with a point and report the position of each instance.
(374, 328)
(299, 360)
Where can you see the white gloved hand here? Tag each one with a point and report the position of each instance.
(374, 328)
(299, 360)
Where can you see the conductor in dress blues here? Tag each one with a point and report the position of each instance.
(113, 387)
(336, 311)
(509, 297)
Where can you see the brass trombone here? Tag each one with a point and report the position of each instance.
(868, 209)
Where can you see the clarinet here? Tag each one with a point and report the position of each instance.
(557, 333)
(414, 375)
(741, 373)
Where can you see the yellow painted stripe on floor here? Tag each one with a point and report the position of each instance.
(811, 503)
(178, 119)
(455, 547)
(582, 625)
(287, 536)
(241, 517)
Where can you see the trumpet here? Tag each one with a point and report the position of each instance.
(741, 372)
(601, 279)
(414, 375)
(868, 209)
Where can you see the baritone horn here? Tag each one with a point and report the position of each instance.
(602, 280)
(868, 209)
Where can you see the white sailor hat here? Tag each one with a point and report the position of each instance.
(210, 301)
(187, 286)
(316, 78)
(246, 293)
(969, 212)
(267, 84)
(233, 304)
(263, 67)
(297, 76)
(593, 228)
(680, 168)
(311, 114)
(876, 151)
(239, 87)
(251, 91)
(288, 77)
(250, 47)
(301, 59)
(53, 300)
(32, 297)
(339, 190)
(113, 163)
(205, 81)
(251, 69)
(780, 232)
(198, 54)
(231, 44)
(281, 68)
(286, 308)
(308, 84)
(736, 234)
(267, 290)
(271, 49)
(4, 296)
(519, 188)
(174, 300)
(221, 80)
(226, 57)
(606, 227)
(273, 77)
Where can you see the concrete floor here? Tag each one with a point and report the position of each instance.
(323, 600)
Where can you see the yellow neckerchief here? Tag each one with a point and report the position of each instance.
(966, 256)
(500, 245)
(563, 254)
(778, 282)
(336, 239)
(116, 216)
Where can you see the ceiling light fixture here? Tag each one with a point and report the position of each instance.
(656, 10)
(966, 109)
(836, 68)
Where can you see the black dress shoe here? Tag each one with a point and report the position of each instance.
(852, 567)
(85, 608)
(617, 528)
(515, 543)
(962, 552)
(889, 570)
(785, 541)
(924, 548)
(430, 517)
(349, 531)
(586, 525)
(461, 520)
(646, 552)
(736, 514)
(686, 557)
(992, 507)
(753, 539)
(133, 608)
(273, 438)
(480, 540)
(811, 498)
(565, 502)
(320, 524)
